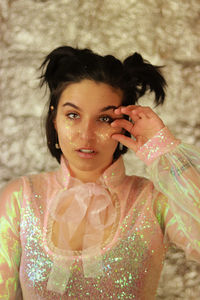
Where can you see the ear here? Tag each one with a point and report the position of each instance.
(55, 124)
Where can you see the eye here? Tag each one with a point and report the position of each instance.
(106, 119)
(73, 116)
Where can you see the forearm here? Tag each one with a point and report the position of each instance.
(174, 169)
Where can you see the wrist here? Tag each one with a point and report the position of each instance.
(162, 142)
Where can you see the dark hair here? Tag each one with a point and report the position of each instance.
(65, 65)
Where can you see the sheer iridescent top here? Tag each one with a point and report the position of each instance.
(62, 239)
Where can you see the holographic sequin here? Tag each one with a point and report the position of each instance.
(35, 258)
(160, 144)
(122, 279)
(132, 259)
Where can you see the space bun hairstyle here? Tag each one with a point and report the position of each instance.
(140, 76)
(65, 65)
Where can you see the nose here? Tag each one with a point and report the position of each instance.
(87, 130)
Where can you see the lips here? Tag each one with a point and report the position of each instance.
(86, 152)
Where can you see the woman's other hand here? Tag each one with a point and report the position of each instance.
(143, 124)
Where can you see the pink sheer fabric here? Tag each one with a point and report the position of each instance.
(87, 206)
(127, 223)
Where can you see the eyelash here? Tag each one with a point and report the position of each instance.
(110, 120)
(74, 116)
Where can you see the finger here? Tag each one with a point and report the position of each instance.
(135, 110)
(123, 123)
(130, 111)
(146, 110)
(131, 106)
(129, 142)
(134, 117)
(126, 141)
(117, 111)
(127, 108)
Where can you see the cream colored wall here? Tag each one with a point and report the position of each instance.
(164, 32)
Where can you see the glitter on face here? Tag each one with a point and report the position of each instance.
(84, 114)
(100, 135)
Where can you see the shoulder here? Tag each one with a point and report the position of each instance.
(136, 185)
(43, 179)
(138, 182)
(22, 185)
(41, 186)
(11, 194)
(139, 187)
(12, 186)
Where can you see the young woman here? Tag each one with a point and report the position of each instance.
(87, 230)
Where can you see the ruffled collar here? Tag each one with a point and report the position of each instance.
(111, 178)
(93, 207)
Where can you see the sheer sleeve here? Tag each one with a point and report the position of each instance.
(10, 246)
(174, 169)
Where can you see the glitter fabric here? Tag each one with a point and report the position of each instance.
(161, 143)
(149, 215)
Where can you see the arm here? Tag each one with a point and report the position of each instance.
(10, 246)
(174, 169)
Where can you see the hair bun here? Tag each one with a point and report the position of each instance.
(141, 76)
(52, 66)
(135, 59)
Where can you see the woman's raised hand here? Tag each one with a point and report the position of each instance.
(144, 123)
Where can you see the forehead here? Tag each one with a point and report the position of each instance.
(88, 92)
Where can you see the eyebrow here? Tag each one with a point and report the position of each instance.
(102, 110)
(72, 105)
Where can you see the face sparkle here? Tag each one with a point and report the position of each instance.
(84, 114)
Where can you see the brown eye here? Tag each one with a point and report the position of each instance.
(106, 119)
(73, 116)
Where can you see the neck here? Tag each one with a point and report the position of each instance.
(86, 176)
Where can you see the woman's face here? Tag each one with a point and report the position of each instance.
(85, 111)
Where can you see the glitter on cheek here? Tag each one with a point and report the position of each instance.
(69, 132)
(69, 135)
(100, 134)
(102, 137)
(105, 134)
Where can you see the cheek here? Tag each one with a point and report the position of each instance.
(68, 134)
(71, 134)
(104, 134)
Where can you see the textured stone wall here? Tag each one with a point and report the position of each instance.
(165, 32)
